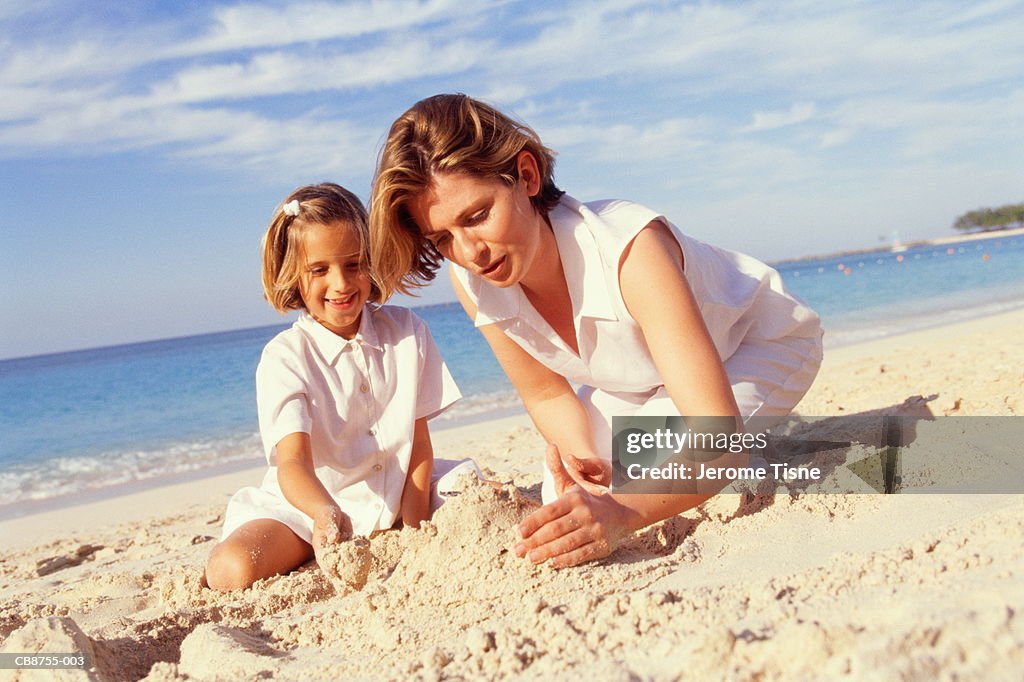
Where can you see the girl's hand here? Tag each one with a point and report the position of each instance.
(579, 526)
(330, 526)
(592, 473)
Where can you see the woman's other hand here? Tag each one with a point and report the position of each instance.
(592, 473)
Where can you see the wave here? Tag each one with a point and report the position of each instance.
(65, 476)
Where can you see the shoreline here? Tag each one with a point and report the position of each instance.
(171, 494)
(192, 486)
(926, 323)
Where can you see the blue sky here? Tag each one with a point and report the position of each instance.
(144, 145)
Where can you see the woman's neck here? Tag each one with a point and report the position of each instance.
(546, 289)
(545, 274)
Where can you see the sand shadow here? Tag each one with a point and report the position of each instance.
(826, 442)
(823, 441)
(131, 657)
(654, 542)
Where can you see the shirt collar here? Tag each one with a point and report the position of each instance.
(495, 304)
(578, 246)
(330, 345)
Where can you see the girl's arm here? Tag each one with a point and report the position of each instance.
(416, 494)
(301, 487)
(580, 526)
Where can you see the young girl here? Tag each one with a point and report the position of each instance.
(343, 396)
(609, 295)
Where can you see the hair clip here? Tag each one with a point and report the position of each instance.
(291, 208)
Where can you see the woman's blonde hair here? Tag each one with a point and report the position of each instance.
(324, 204)
(442, 134)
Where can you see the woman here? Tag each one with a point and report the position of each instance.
(609, 295)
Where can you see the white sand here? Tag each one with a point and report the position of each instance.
(779, 587)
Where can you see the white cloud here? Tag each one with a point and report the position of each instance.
(769, 120)
(835, 138)
(28, 65)
(932, 127)
(671, 137)
(224, 138)
(976, 11)
(631, 38)
(278, 73)
(249, 26)
(591, 77)
(24, 103)
(301, 146)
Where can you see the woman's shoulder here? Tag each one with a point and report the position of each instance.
(613, 223)
(615, 216)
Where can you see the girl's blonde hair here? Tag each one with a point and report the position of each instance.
(324, 204)
(442, 134)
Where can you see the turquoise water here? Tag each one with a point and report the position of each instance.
(88, 420)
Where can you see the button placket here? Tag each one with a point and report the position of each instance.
(364, 389)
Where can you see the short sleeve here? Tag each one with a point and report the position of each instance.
(437, 389)
(281, 400)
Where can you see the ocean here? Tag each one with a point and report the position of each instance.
(84, 423)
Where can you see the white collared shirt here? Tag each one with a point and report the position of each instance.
(358, 400)
(740, 298)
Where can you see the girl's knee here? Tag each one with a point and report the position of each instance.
(231, 567)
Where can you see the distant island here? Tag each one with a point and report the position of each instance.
(988, 219)
(981, 223)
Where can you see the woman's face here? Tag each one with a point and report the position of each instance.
(483, 224)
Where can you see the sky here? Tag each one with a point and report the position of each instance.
(145, 145)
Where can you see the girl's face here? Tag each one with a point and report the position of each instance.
(483, 224)
(335, 284)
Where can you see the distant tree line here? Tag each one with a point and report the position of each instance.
(1000, 218)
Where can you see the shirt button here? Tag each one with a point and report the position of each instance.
(372, 432)
(364, 388)
(377, 467)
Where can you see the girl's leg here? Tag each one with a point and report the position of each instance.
(256, 550)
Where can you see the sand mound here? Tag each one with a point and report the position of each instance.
(462, 601)
(347, 564)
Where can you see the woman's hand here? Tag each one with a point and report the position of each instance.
(330, 527)
(592, 473)
(583, 524)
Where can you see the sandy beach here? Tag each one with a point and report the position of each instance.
(786, 586)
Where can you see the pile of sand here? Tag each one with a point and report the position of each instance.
(451, 600)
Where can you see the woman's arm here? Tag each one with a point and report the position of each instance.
(580, 526)
(297, 478)
(416, 494)
(659, 298)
